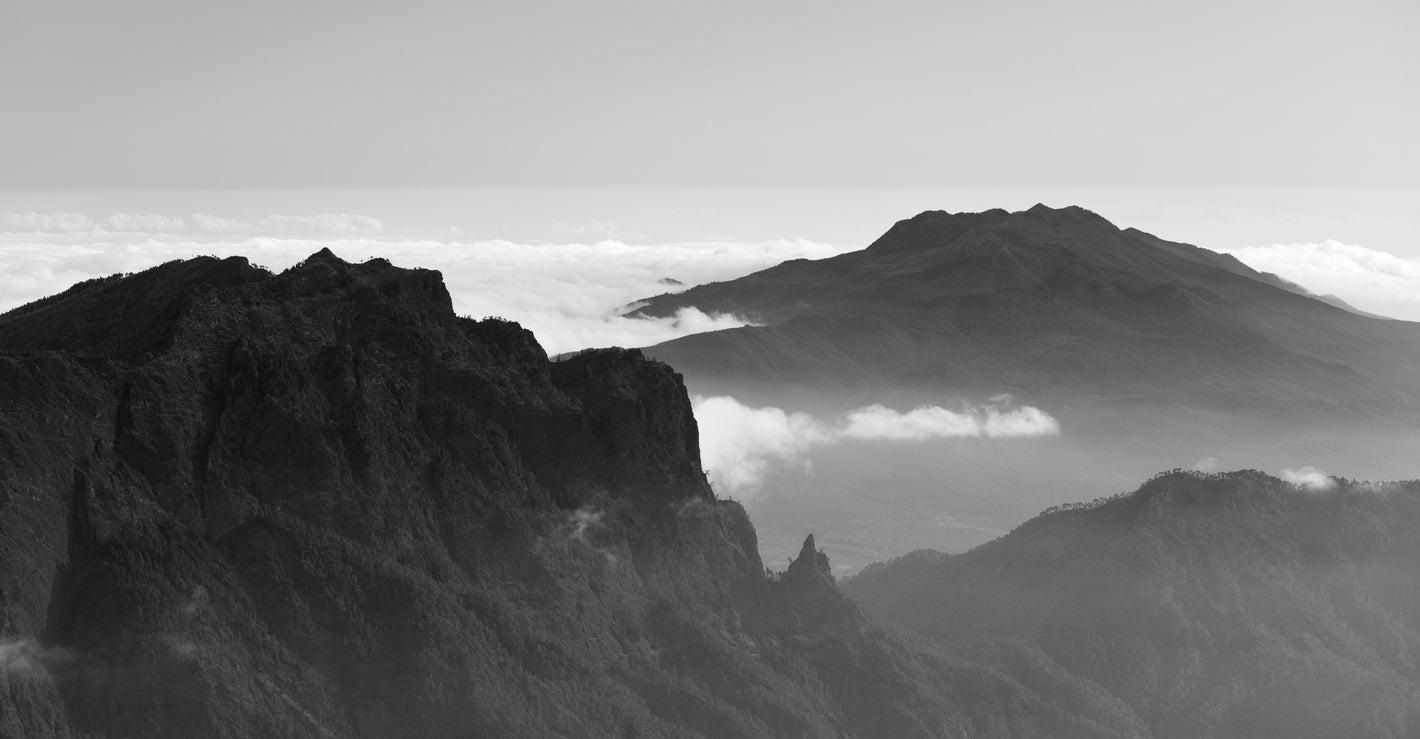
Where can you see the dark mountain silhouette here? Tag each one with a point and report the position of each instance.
(318, 503)
(1231, 605)
(1052, 304)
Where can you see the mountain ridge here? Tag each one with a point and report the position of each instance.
(235, 503)
(1056, 303)
(1231, 604)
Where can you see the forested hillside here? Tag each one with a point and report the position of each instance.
(317, 503)
(1233, 605)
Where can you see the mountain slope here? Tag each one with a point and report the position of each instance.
(1229, 605)
(1052, 304)
(238, 504)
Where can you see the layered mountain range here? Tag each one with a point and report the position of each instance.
(1056, 305)
(1150, 354)
(318, 503)
(1226, 605)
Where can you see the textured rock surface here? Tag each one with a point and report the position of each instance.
(238, 504)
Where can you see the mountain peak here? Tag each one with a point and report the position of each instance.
(325, 255)
(808, 549)
(932, 228)
(1073, 213)
(811, 563)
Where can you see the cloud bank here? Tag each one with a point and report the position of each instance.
(62, 222)
(24, 655)
(570, 295)
(740, 444)
(1371, 280)
(1206, 464)
(1309, 478)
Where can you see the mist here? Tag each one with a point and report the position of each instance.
(571, 294)
(741, 444)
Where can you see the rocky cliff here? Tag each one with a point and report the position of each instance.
(317, 503)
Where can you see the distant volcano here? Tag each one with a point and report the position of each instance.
(1056, 304)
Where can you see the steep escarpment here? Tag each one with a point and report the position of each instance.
(1231, 605)
(317, 503)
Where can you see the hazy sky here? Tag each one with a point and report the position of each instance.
(600, 146)
(725, 92)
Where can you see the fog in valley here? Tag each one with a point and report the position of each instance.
(709, 370)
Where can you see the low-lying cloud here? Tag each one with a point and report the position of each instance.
(740, 444)
(62, 222)
(25, 655)
(582, 520)
(930, 422)
(571, 295)
(1206, 464)
(1371, 280)
(320, 224)
(154, 224)
(1309, 478)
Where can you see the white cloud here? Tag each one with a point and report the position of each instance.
(24, 655)
(1206, 464)
(1371, 280)
(1019, 423)
(739, 444)
(127, 225)
(1309, 478)
(32, 222)
(220, 225)
(583, 519)
(626, 332)
(322, 224)
(569, 295)
(879, 422)
(69, 223)
(930, 422)
(142, 223)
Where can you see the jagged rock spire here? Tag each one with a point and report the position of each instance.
(810, 562)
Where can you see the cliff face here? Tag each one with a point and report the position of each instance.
(318, 503)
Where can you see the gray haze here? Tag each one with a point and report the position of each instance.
(163, 93)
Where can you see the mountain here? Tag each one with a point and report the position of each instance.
(318, 503)
(1232, 605)
(1056, 306)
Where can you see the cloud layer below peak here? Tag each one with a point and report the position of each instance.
(571, 295)
(740, 444)
(1371, 280)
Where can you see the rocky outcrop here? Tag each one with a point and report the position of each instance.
(318, 503)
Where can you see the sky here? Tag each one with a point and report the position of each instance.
(558, 160)
(566, 261)
(562, 93)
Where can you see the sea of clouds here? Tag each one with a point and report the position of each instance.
(1374, 281)
(570, 294)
